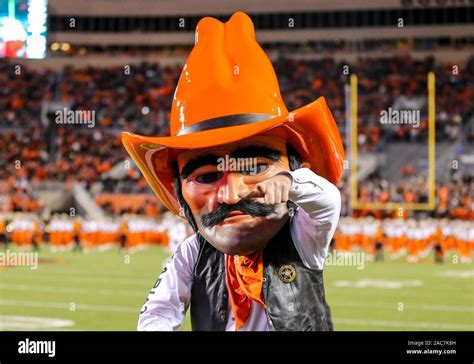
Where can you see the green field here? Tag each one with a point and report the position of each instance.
(105, 290)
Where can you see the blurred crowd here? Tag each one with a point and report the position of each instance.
(125, 98)
(22, 91)
(410, 238)
(399, 83)
(139, 97)
(63, 232)
(453, 199)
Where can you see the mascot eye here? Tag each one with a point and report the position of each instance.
(259, 168)
(209, 177)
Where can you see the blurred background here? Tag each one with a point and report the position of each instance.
(70, 195)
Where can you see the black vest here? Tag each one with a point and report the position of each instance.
(299, 305)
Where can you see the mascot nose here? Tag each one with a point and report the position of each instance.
(229, 191)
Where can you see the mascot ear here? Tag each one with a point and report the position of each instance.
(181, 212)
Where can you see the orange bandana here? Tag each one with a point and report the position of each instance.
(244, 283)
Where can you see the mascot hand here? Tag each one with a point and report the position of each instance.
(274, 190)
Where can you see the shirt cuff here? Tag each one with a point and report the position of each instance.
(303, 179)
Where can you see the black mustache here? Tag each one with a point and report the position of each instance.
(221, 212)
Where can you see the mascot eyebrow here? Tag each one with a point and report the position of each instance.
(251, 151)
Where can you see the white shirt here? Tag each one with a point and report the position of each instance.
(312, 227)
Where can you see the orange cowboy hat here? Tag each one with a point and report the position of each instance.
(228, 91)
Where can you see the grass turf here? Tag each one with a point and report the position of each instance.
(105, 290)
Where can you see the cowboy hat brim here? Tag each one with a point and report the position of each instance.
(311, 129)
